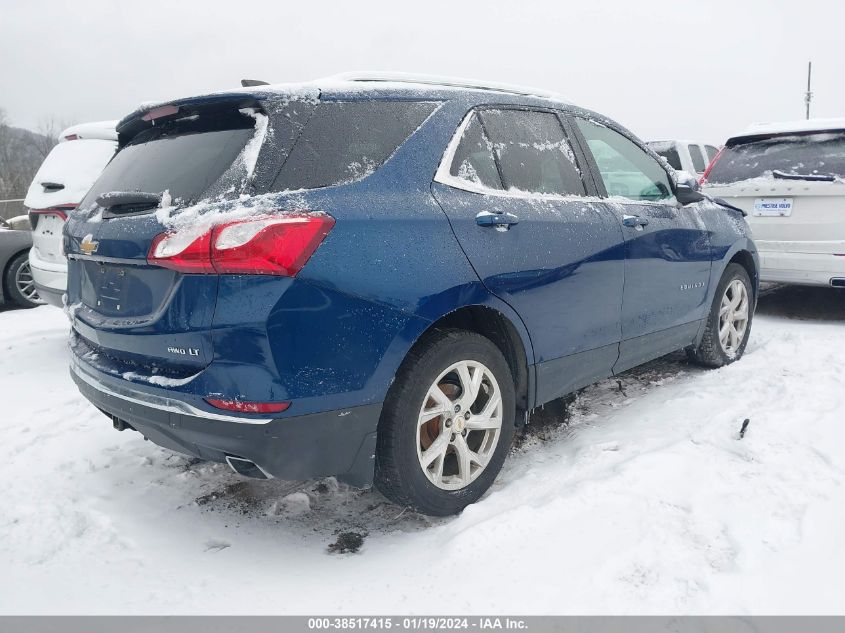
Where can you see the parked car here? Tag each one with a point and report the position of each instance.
(63, 179)
(380, 279)
(689, 156)
(17, 285)
(790, 179)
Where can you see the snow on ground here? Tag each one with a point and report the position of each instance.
(643, 500)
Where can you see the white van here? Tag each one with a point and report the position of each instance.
(790, 180)
(61, 182)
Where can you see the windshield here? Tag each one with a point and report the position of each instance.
(814, 154)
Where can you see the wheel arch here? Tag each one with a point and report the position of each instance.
(745, 259)
(497, 327)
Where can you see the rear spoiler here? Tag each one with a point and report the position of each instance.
(146, 116)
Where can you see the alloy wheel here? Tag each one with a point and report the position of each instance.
(459, 425)
(26, 284)
(733, 317)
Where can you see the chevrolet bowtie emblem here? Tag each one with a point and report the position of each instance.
(88, 245)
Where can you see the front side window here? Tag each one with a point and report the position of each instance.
(626, 169)
(698, 161)
(532, 152)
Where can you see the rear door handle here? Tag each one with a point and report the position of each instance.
(634, 220)
(497, 218)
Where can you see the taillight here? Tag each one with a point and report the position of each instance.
(266, 245)
(60, 211)
(706, 173)
(248, 407)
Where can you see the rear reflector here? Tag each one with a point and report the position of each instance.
(248, 407)
(266, 245)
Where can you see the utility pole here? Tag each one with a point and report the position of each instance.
(809, 96)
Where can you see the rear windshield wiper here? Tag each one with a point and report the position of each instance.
(791, 176)
(128, 201)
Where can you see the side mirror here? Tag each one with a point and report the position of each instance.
(687, 189)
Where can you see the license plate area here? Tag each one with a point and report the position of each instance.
(772, 207)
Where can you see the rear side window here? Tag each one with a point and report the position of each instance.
(473, 160)
(711, 152)
(626, 169)
(532, 152)
(699, 163)
(183, 157)
(347, 141)
(672, 157)
(820, 154)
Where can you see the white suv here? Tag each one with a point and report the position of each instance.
(61, 182)
(689, 156)
(790, 180)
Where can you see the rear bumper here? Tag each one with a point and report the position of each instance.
(333, 443)
(50, 278)
(815, 269)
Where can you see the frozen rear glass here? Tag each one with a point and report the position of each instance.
(817, 154)
(183, 157)
(345, 141)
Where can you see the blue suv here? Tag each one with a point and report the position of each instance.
(380, 279)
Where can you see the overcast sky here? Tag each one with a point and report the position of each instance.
(683, 69)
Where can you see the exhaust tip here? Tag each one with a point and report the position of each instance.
(247, 468)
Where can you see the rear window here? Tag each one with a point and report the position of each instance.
(699, 163)
(345, 141)
(816, 154)
(185, 157)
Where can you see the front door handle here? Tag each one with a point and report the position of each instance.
(497, 218)
(634, 221)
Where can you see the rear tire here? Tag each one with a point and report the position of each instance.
(446, 425)
(18, 282)
(728, 322)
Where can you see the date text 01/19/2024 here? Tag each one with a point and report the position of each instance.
(417, 623)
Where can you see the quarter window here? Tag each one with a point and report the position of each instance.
(626, 169)
(532, 152)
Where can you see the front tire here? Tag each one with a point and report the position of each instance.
(729, 321)
(19, 284)
(446, 425)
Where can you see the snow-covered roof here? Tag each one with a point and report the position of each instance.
(789, 127)
(104, 130)
(443, 81)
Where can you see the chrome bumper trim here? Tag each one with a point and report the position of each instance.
(156, 402)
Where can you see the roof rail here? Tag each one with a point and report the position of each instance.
(451, 82)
